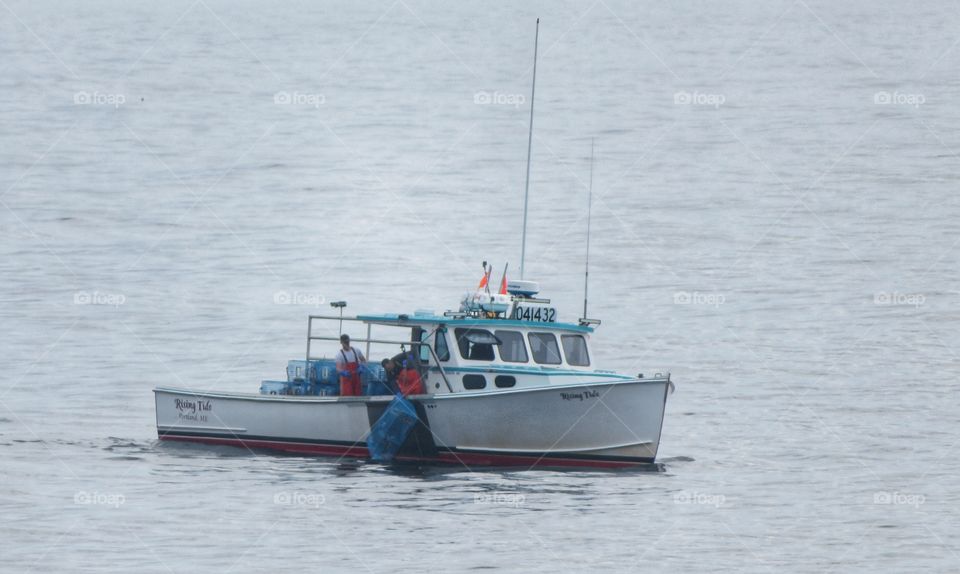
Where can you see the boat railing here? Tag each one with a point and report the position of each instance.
(311, 337)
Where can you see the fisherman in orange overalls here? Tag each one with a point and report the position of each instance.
(409, 380)
(349, 363)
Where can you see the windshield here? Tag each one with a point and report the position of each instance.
(544, 348)
(512, 349)
(575, 349)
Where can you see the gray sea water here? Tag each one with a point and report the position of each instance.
(775, 221)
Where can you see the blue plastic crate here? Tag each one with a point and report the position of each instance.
(391, 429)
(275, 388)
(326, 372)
(327, 390)
(298, 370)
(301, 388)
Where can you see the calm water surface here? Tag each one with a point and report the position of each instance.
(776, 222)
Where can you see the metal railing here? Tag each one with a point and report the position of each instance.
(311, 337)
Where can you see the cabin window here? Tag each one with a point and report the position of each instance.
(505, 381)
(474, 382)
(544, 348)
(440, 346)
(476, 344)
(575, 350)
(512, 348)
(424, 351)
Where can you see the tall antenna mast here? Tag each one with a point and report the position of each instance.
(526, 191)
(586, 268)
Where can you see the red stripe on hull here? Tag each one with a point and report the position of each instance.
(446, 457)
(300, 447)
(485, 459)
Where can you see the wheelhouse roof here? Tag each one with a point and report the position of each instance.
(414, 320)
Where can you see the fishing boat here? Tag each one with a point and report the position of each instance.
(499, 381)
(510, 387)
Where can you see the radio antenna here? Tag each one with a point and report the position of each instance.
(586, 267)
(526, 191)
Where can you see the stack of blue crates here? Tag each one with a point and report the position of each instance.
(320, 378)
(321, 374)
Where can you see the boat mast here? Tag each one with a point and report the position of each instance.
(526, 191)
(586, 267)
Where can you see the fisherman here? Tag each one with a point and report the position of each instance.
(350, 363)
(392, 369)
(394, 366)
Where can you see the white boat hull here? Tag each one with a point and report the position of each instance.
(606, 424)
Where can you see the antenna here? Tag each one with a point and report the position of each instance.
(338, 305)
(526, 191)
(586, 267)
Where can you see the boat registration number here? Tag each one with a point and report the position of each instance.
(535, 314)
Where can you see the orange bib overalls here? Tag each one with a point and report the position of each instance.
(350, 385)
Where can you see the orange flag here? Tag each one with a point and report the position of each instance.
(483, 282)
(503, 284)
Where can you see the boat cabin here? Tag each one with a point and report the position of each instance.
(491, 343)
(476, 354)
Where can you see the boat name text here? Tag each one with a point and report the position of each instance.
(193, 410)
(583, 395)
